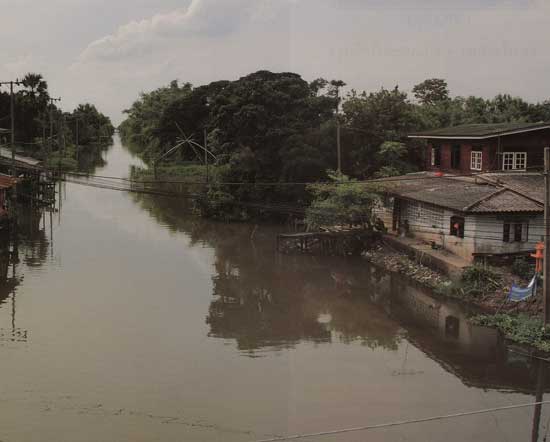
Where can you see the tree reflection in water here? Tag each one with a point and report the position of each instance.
(26, 247)
(265, 301)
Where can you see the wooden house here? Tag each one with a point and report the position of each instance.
(471, 148)
(481, 194)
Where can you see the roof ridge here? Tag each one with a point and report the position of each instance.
(503, 187)
(485, 198)
(514, 190)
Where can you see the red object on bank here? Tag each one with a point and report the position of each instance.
(539, 256)
(439, 174)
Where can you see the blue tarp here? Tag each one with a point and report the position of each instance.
(517, 294)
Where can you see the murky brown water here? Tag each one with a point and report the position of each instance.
(127, 319)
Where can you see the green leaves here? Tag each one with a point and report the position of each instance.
(345, 202)
(431, 91)
(521, 329)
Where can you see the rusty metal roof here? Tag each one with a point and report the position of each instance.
(7, 181)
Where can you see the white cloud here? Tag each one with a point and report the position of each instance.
(481, 47)
(203, 18)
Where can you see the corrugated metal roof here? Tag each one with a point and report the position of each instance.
(506, 201)
(470, 194)
(6, 153)
(530, 184)
(481, 131)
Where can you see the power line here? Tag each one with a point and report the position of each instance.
(331, 183)
(286, 208)
(404, 422)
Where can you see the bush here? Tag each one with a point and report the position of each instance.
(217, 204)
(523, 268)
(475, 281)
(343, 202)
(478, 280)
(64, 163)
(521, 329)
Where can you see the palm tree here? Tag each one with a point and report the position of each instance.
(37, 87)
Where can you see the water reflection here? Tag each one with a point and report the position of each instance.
(20, 249)
(264, 301)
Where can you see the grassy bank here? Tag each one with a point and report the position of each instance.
(522, 329)
(63, 162)
(190, 173)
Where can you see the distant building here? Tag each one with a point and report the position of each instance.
(480, 194)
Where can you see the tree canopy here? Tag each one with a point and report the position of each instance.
(32, 121)
(276, 128)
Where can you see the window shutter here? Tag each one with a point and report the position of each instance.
(506, 234)
(525, 232)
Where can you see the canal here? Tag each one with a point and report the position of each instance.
(125, 318)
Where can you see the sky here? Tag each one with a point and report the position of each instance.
(109, 51)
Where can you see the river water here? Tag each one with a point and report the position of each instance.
(125, 318)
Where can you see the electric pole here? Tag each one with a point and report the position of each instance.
(12, 119)
(546, 287)
(76, 141)
(12, 138)
(52, 101)
(334, 91)
(206, 155)
(339, 143)
(338, 131)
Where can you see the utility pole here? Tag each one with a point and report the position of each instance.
(338, 131)
(52, 100)
(206, 155)
(12, 139)
(339, 142)
(546, 288)
(62, 141)
(334, 90)
(12, 118)
(76, 141)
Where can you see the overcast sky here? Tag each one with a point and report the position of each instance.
(108, 51)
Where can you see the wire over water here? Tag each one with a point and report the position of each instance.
(400, 423)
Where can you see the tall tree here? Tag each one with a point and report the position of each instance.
(431, 91)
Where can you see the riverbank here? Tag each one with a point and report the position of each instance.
(519, 322)
(487, 294)
(186, 173)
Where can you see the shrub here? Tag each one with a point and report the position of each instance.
(475, 281)
(478, 280)
(344, 202)
(523, 268)
(521, 329)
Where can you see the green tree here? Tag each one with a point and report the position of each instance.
(370, 120)
(344, 202)
(431, 91)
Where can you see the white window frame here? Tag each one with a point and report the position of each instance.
(513, 160)
(476, 161)
(433, 156)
